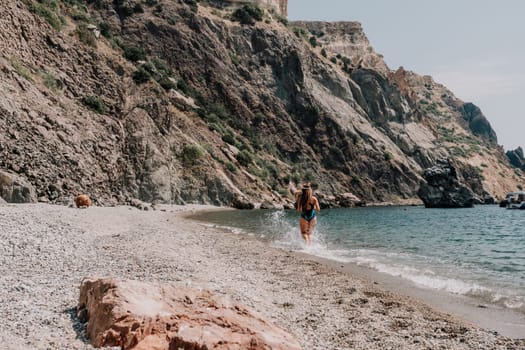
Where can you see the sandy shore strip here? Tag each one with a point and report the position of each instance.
(47, 250)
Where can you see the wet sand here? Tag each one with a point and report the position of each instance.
(490, 317)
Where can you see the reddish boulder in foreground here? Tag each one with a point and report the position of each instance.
(138, 315)
(83, 201)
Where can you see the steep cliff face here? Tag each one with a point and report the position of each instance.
(176, 103)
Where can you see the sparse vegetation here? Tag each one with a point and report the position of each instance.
(283, 20)
(94, 103)
(105, 29)
(248, 14)
(50, 81)
(228, 138)
(86, 36)
(20, 69)
(299, 32)
(244, 158)
(159, 8)
(231, 167)
(191, 154)
(141, 76)
(313, 41)
(125, 8)
(134, 53)
(49, 10)
(166, 83)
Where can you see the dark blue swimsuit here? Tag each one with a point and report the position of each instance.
(309, 215)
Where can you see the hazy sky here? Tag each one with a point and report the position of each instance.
(476, 48)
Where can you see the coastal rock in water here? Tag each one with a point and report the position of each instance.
(271, 205)
(239, 202)
(138, 315)
(348, 200)
(443, 188)
(326, 201)
(14, 189)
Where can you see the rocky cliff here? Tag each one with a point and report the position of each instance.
(173, 101)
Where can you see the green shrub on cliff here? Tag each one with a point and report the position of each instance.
(20, 69)
(313, 41)
(248, 14)
(191, 154)
(50, 81)
(105, 29)
(231, 167)
(134, 53)
(94, 103)
(141, 76)
(49, 10)
(244, 158)
(86, 36)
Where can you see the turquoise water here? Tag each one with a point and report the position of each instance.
(478, 252)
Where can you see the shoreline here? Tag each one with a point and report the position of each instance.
(503, 321)
(56, 247)
(506, 322)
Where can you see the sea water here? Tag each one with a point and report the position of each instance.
(477, 252)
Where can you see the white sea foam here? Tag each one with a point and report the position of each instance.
(423, 277)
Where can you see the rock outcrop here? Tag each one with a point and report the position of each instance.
(516, 158)
(443, 189)
(176, 103)
(14, 189)
(150, 316)
(478, 123)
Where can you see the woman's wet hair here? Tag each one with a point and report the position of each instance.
(304, 198)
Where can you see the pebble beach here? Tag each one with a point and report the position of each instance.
(46, 251)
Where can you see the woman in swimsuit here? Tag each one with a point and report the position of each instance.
(307, 205)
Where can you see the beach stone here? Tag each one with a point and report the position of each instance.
(139, 315)
(443, 189)
(140, 205)
(82, 201)
(15, 189)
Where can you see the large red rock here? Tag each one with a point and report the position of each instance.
(138, 315)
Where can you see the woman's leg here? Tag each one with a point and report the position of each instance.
(304, 225)
(311, 227)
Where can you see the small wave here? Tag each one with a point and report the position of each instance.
(504, 299)
(424, 277)
(503, 251)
